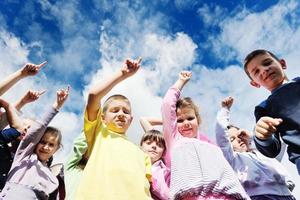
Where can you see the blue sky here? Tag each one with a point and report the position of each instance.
(85, 40)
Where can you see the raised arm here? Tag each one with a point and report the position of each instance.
(168, 111)
(29, 97)
(149, 123)
(98, 91)
(27, 70)
(12, 118)
(222, 137)
(38, 128)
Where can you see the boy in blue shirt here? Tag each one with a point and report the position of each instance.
(279, 115)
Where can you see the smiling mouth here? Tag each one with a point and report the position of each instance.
(269, 75)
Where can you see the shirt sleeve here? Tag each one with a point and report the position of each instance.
(90, 130)
(79, 149)
(148, 167)
(168, 111)
(34, 135)
(270, 147)
(222, 137)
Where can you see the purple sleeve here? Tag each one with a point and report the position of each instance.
(169, 117)
(34, 135)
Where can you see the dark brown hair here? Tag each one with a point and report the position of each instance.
(154, 135)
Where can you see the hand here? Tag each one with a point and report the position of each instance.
(266, 126)
(30, 69)
(131, 67)
(227, 102)
(61, 97)
(185, 76)
(32, 96)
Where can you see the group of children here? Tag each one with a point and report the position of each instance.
(179, 163)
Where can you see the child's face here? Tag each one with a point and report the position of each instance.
(266, 71)
(118, 116)
(47, 146)
(154, 149)
(187, 122)
(26, 125)
(239, 139)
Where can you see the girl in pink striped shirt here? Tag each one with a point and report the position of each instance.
(198, 167)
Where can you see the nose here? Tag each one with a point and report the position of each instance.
(153, 146)
(46, 147)
(121, 114)
(186, 123)
(264, 71)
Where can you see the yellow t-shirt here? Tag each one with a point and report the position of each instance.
(117, 168)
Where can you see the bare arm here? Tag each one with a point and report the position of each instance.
(148, 123)
(97, 92)
(29, 97)
(27, 70)
(13, 119)
(184, 77)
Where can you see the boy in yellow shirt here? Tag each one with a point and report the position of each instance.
(117, 168)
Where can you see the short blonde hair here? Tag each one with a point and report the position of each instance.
(187, 102)
(112, 98)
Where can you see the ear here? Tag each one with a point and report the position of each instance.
(254, 84)
(283, 63)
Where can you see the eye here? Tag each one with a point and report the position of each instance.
(179, 120)
(42, 142)
(190, 118)
(232, 139)
(115, 110)
(126, 111)
(267, 62)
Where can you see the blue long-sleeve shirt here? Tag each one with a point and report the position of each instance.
(284, 103)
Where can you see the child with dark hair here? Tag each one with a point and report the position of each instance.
(153, 143)
(279, 115)
(262, 177)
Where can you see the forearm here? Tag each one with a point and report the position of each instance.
(179, 84)
(99, 91)
(11, 115)
(10, 81)
(148, 123)
(19, 105)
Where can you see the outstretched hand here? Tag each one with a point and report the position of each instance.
(130, 67)
(266, 126)
(227, 102)
(32, 96)
(30, 69)
(61, 97)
